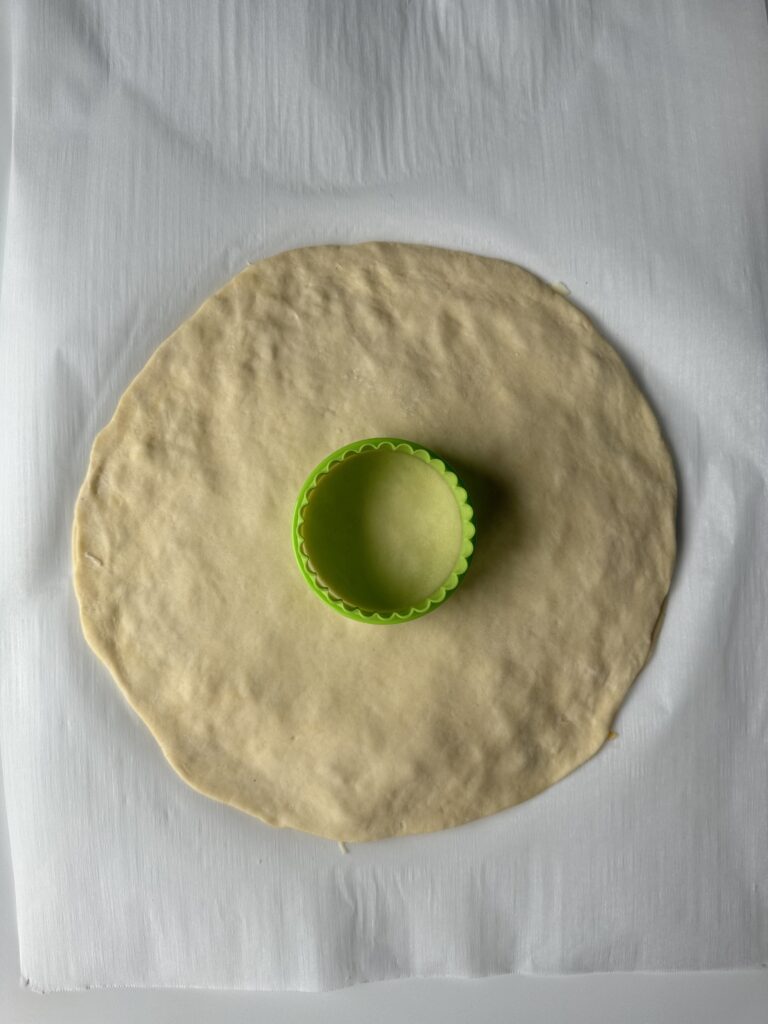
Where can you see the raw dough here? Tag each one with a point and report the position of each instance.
(259, 694)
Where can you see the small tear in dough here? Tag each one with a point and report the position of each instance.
(612, 735)
(562, 287)
(343, 846)
(93, 559)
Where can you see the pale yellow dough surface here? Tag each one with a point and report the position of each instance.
(262, 696)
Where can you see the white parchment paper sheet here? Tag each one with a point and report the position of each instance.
(621, 147)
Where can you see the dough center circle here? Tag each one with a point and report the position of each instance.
(382, 530)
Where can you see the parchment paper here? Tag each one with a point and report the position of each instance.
(617, 146)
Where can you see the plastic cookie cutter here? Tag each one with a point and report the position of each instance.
(383, 530)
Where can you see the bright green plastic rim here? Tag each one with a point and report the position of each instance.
(460, 567)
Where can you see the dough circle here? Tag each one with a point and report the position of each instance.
(259, 694)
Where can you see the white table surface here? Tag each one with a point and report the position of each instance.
(738, 997)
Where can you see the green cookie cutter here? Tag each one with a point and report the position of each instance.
(377, 538)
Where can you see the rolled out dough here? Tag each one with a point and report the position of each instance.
(259, 694)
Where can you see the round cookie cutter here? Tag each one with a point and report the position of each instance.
(383, 530)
